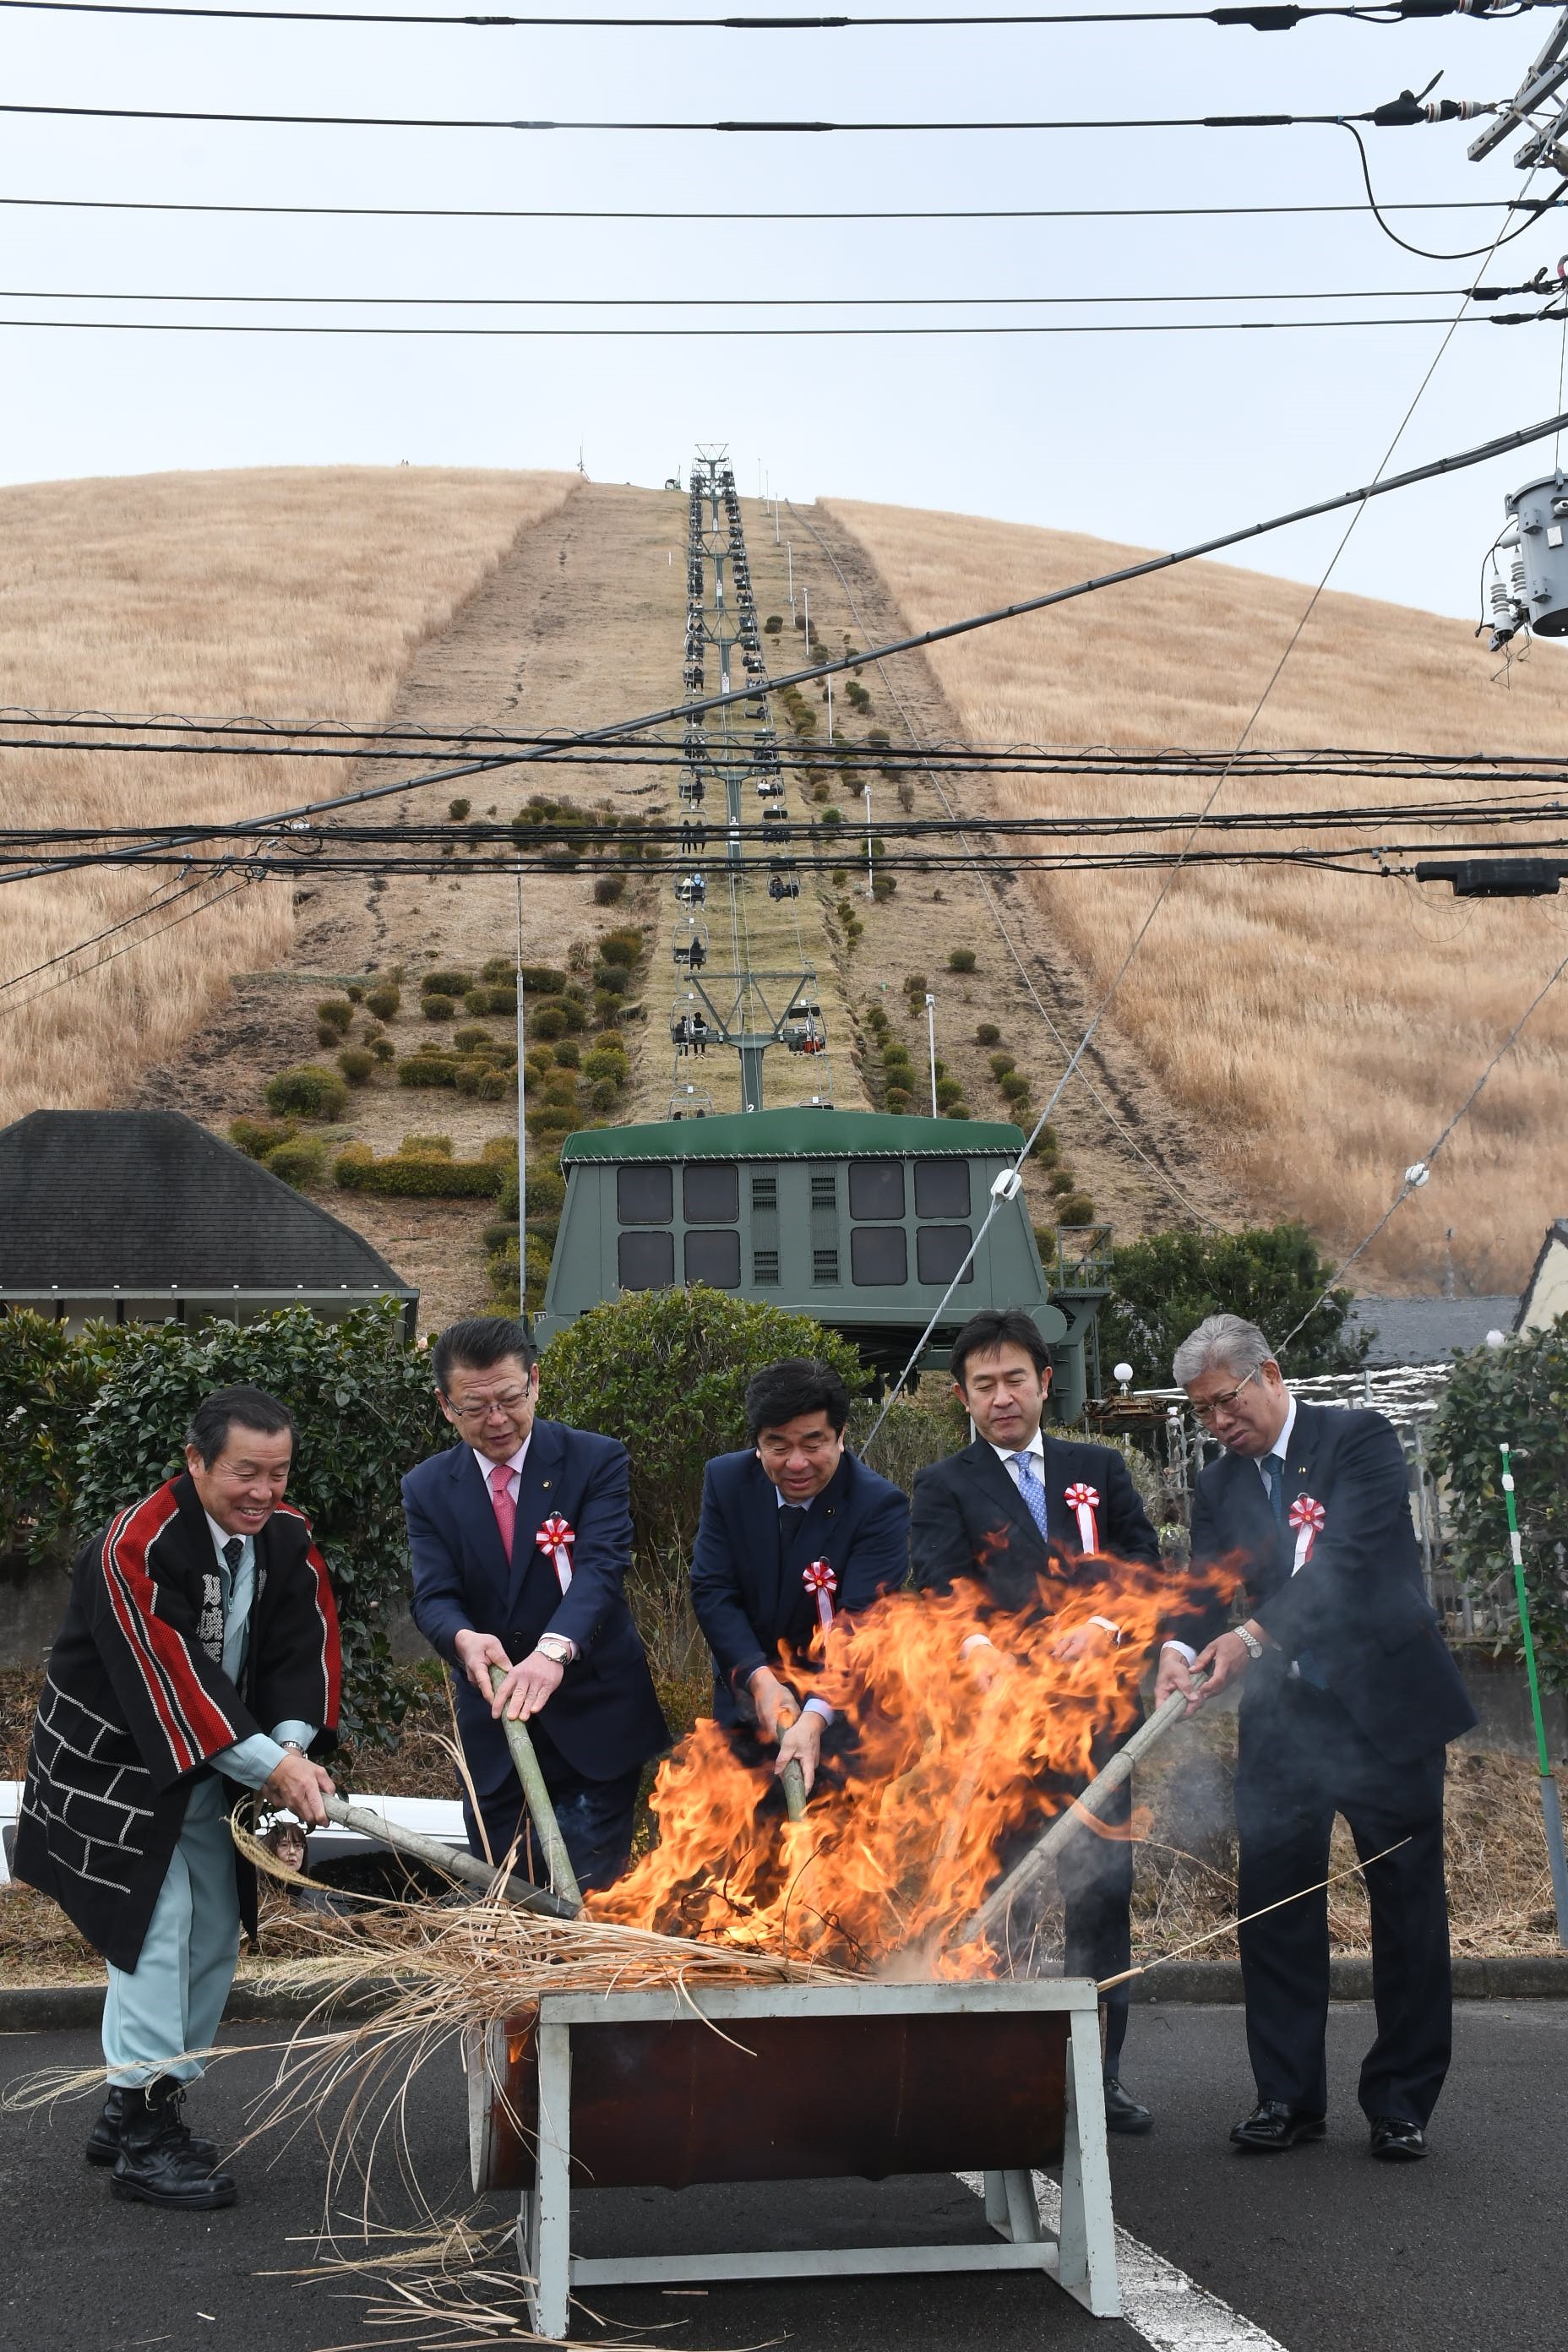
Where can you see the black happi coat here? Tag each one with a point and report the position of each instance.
(135, 1700)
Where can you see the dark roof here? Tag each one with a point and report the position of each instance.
(149, 1200)
(798, 1132)
(1427, 1330)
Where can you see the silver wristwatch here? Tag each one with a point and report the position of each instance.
(1249, 1640)
(555, 1647)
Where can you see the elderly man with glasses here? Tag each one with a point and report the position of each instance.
(1349, 1699)
(521, 1536)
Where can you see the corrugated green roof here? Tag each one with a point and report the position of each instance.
(794, 1134)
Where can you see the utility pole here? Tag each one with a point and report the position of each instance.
(1547, 74)
(830, 714)
(522, 1128)
(789, 558)
(931, 1041)
(870, 873)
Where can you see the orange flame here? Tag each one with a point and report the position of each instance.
(947, 1759)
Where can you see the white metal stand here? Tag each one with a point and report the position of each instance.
(1081, 2257)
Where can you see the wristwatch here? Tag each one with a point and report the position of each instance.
(1249, 1640)
(556, 1648)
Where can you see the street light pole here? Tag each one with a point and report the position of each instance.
(870, 873)
(521, 1126)
(789, 558)
(930, 1040)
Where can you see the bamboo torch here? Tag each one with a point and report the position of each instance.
(541, 1811)
(1550, 1802)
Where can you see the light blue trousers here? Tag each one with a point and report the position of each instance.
(171, 2002)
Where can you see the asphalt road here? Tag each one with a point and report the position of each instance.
(1323, 2249)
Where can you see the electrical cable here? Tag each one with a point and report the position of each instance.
(466, 213)
(130, 947)
(1260, 19)
(721, 333)
(1427, 253)
(157, 905)
(763, 302)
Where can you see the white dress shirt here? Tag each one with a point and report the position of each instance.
(514, 1466)
(250, 1761)
(1281, 1445)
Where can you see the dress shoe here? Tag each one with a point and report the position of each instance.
(1274, 2124)
(103, 2140)
(157, 2163)
(1122, 2112)
(1396, 2140)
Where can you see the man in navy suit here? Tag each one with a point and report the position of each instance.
(1008, 1512)
(1349, 1702)
(794, 1531)
(520, 1536)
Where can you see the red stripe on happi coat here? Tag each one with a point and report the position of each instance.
(327, 1609)
(159, 1653)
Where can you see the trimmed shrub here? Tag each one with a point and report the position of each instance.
(1001, 1065)
(899, 1100)
(257, 1137)
(609, 889)
(411, 1177)
(883, 886)
(623, 947)
(494, 1086)
(427, 1070)
(604, 1094)
(459, 809)
(542, 980)
(612, 977)
(356, 1063)
(496, 969)
(383, 1050)
(310, 1092)
(426, 1146)
(435, 1007)
(384, 1001)
(772, 624)
(1076, 1208)
(327, 1035)
(335, 1013)
(298, 1162)
(1015, 1086)
(948, 1090)
(568, 1053)
(988, 1034)
(549, 1021)
(961, 959)
(958, 1110)
(607, 1060)
(445, 983)
(471, 1040)
(1060, 1181)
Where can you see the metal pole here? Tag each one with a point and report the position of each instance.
(521, 1128)
(871, 871)
(931, 1041)
(789, 560)
(805, 599)
(830, 714)
(1550, 1802)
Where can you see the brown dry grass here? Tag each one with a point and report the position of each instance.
(1323, 1029)
(289, 593)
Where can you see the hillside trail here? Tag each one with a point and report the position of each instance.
(1147, 1163)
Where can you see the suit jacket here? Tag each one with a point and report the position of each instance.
(604, 1718)
(1358, 1603)
(968, 1518)
(136, 1699)
(747, 1601)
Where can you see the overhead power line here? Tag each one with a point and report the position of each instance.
(769, 301)
(1534, 205)
(751, 335)
(1259, 19)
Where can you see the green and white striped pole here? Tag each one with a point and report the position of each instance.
(1550, 1802)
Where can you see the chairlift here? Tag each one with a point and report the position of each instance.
(690, 1102)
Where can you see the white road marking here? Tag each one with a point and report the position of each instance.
(1170, 2311)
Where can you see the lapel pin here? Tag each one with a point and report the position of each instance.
(544, 1482)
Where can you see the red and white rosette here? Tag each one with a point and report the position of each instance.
(822, 1584)
(555, 1540)
(1307, 1518)
(1083, 1502)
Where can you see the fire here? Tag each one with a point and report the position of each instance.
(948, 1757)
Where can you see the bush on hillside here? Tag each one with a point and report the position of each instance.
(427, 1070)
(437, 983)
(436, 1007)
(356, 1063)
(384, 1001)
(666, 1372)
(1075, 1208)
(609, 889)
(961, 959)
(404, 1176)
(257, 1137)
(335, 1013)
(310, 1092)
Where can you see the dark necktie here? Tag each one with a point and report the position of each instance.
(1306, 1664)
(792, 1518)
(232, 1552)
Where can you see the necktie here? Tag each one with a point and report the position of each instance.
(232, 1552)
(1305, 1663)
(1275, 1465)
(1032, 1491)
(792, 1518)
(501, 1501)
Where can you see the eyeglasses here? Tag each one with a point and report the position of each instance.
(1206, 1412)
(509, 1404)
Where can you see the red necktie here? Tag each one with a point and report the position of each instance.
(505, 1508)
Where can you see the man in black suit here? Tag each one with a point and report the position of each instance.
(1010, 1512)
(795, 1529)
(1350, 1699)
(521, 1536)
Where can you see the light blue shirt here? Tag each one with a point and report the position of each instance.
(254, 1760)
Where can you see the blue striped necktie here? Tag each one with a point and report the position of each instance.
(1032, 1491)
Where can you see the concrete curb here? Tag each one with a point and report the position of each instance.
(1536, 1975)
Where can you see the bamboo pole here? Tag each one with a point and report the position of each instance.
(466, 1868)
(1027, 1874)
(1550, 1802)
(541, 1811)
(791, 1775)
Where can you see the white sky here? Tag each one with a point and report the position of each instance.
(1151, 439)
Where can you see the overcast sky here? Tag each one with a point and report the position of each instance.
(1153, 439)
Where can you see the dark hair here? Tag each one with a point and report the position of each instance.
(217, 1414)
(998, 1326)
(479, 1342)
(782, 1392)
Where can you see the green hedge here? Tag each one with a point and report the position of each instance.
(427, 1070)
(311, 1092)
(435, 1178)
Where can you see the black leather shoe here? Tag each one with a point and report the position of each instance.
(103, 2140)
(1122, 2112)
(1396, 2140)
(157, 2163)
(1274, 2126)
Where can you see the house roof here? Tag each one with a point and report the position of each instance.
(802, 1132)
(1427, 1330)
(148, 1200)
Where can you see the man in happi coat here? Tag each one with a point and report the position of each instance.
(1016, 1512)
(1349, 1699)
(795, 1529)
(198, 1658)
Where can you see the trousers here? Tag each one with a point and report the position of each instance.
(1300, 1761)
(1094, 1872)
(171, 2004)
(595, 1818)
